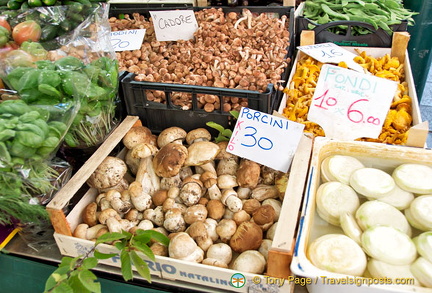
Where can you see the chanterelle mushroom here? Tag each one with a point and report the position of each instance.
(109, 173)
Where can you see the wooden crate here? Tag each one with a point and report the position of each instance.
(280, 254)
(417, 134)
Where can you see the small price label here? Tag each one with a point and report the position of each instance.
(174, 25)
(350, 105)
(127, 40)
(266, 139)
(331, 53)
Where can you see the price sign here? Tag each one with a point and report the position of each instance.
(350, 105)
(173, 25)
(331, 53)
(266, 139)
(127, 40)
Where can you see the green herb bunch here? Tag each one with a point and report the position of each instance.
(75, 275)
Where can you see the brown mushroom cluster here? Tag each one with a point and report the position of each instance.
(233, 50)
(217, 208)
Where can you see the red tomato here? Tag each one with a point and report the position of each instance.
(28, 30)
(4, 23)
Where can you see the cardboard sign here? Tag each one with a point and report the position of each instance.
(127, 40)
(173, 25)
(331, 53)
(350, 105)
(266, 139)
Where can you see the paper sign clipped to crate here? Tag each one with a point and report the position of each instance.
(174, 25)
(350, 105)
(266, 139)
(127, 40)
(331, 53)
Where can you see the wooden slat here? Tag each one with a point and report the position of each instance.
(63, 196)
(287, 223)
(278, 263)
(59, 222)
(400, 45)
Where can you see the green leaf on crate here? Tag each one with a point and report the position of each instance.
(126, 265)
(100, 255)
(159, 237)
(144, 249)
(89, 263)
(141, 266)
(109, 237)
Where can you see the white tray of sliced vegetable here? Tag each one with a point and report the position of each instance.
(366, 222)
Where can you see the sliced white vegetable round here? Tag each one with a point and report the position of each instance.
(337, 253)
(422, 271)
(415, 178)
(380, 269)
(413, 222)
(398, 197)
(350, 227)
(423, 243)
(389, 245)
(374, 212)
(335, 198)
(340, 167)
(372, 182)
(325, 176)
(421, 210)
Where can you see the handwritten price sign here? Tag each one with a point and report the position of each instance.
(331, 53)
(350, 105)
(127, 40)
(174, 25)
(266, 139)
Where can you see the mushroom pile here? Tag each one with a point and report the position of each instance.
(233, 50)
(217, 208)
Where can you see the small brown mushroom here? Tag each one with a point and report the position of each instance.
(248, 236)
(248, 174)
(226, 229)
(216, 209)
(170, 159)
(90, 214)
(171, 134)
(137, 135)
(198, 231)
(195, 213)
(198, 134)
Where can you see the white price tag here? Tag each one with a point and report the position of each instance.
(127, 40)
(174, 25)
(331, 53)
(266, 139)
(350, 105)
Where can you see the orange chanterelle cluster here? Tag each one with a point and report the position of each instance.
(302, 86)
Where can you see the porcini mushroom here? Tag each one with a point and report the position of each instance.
(202, 153)
(198, 231)
(218, 254)
(250, 261)
(248, 173)
(231, 201)
(226, 229)
(174, 221)
(171, 134)
(183, 247)
(248, 236)
(137, 135)
(198, 134)
(109, 173)
(170, 159)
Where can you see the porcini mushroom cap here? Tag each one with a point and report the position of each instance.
(223, 154)
(265, 214)
(171, 134)
(89, 215)
(170, 159)
(136, 135)
(220, 251)
(197, 134)
(250, 261)
(248, 173)
(109, 173)
(201, 152)
(248, 236)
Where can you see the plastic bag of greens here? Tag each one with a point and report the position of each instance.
(83, 67)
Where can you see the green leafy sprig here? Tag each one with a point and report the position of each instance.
(75, 275)
(224, 133)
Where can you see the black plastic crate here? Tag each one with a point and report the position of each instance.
(158, 116)
(323, 34)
